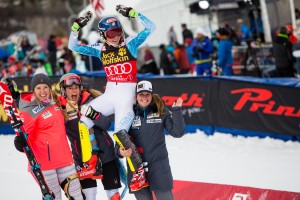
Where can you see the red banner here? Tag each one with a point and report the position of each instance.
(207, 191)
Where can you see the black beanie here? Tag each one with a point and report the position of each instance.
(40, 79)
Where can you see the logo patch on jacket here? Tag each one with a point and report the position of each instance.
(153, 115)
(38, 109)
(136, 123)
(47, 115)
(153, 121)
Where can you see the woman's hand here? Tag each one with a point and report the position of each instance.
(125, 153)
(178, 102)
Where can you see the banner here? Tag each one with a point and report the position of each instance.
(258, 107)
(201, 191)
(235, 105)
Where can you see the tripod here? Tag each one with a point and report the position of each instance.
(251, 60)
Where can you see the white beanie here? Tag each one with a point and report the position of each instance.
(201, 31)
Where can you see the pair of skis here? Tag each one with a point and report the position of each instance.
(86, 151)
(13, 114)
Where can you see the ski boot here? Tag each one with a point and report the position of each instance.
(91, 169)
(139, 179)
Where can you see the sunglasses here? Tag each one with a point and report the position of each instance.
(69, 81)
(112, 33)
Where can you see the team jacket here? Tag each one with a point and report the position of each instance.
(44, 124)
(102, 124)
(119, 63)
(148, 134)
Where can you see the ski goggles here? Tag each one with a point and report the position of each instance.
(70, 80)
(112, 33)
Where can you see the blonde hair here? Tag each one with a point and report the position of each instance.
(159, 103)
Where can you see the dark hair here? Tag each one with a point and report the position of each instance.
(223, 31)
(284, 30)
(162, 46)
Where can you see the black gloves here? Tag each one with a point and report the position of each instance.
(81, 22)
(89, 112)
(126, 11)
(20, 143)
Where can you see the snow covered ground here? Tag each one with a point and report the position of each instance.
(262, 163)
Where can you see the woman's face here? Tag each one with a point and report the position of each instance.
(144, 99)
(113, 36)
(73, 92)
(42, 92)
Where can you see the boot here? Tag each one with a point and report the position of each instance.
(91, 169)
(138, 180)
(116, 196)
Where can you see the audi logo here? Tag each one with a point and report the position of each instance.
(120, 68)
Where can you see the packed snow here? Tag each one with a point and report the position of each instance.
(262, 163)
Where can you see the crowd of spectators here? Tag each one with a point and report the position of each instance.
(201, 53)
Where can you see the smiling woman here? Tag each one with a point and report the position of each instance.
(44, 123)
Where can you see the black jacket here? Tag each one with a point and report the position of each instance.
(282, 49)
(148, 134)
(104, 141)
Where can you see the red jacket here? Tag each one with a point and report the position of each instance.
(44, 124)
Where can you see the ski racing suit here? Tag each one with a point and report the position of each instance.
(121, 73)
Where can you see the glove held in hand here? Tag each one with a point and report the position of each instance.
(20, 143)
(89, 112)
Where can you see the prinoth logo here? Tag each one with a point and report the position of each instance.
(115, 57)
(192, 104)
(258, 99)
(188, 101)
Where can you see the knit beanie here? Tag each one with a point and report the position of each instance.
(40, 79)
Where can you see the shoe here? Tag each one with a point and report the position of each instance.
(91, 169)
(139, 180)
(116, 196)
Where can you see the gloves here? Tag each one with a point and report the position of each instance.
(81, 22)
(126, 11)
(12, 86)
(89, 112)
(20, 143)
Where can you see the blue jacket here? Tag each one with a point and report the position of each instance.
(224, 53)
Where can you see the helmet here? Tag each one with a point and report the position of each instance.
(108, 23)
(68, 80)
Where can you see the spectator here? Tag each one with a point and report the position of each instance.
(166, 61)
(233, 37)
(149, 65)
(224, 63)
(293, 39)
(182, 59)
(52, 50)
(172, 36)
(186, 33)
(297, 13)
(189, 51)
(243, 31)
(256, 25)
(282, 51)
(202, 50)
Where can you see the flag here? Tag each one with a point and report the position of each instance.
(98, 7)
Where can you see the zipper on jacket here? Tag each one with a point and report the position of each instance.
(76, 147)
(105, 136)
(48, 147)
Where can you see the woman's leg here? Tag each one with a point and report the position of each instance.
(67, 176)
(51, 179)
